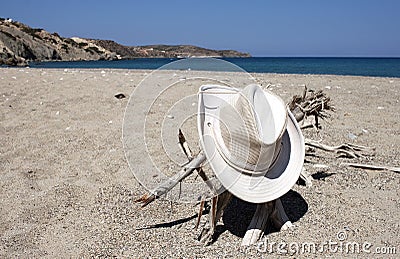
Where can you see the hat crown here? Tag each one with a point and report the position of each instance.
(251, 125)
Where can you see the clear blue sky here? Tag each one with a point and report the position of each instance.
(263, 28)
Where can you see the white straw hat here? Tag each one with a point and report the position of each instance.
(252, 142)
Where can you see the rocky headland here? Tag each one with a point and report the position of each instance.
(20, 44)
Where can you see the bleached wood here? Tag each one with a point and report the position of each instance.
(306, 177)
(373, 167)
(347, 149)
(218, 205)
(173, 181)
(279, 218)
(258, 223)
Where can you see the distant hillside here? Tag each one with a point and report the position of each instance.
(20, 43)
(168, 51)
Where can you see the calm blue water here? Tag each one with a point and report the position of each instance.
(383, 67)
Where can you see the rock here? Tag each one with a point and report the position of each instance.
(120, 96)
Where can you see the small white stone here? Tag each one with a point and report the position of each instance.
(58, 113)
(110, 122)
(381, 108)
(352, 136)
(61, 79)
(327, 87)
(170, 116)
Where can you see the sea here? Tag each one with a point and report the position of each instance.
(379, 67)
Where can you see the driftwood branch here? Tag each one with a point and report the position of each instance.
(218, 202)
(311, 103)
(171, 182)
(186, 150)
(373, 167)
(315, 103)
(206, 234)
(343, 150)
(218, 205)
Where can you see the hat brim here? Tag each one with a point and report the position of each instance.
(252, 188)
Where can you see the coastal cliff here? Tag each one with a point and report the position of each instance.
(20, 44)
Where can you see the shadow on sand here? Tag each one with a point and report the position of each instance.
(238, 214)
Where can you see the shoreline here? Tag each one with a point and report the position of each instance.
(66, 187)
(363, 66)
(142, 70)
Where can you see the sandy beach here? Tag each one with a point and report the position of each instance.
(66, 189)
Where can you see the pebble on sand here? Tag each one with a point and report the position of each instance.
(120, 96)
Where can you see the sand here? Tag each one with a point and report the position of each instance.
(66, 189)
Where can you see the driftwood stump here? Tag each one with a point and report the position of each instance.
(311, 104)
